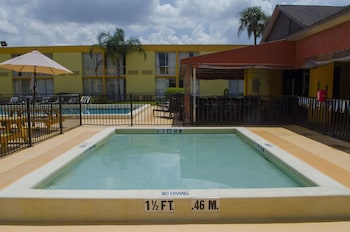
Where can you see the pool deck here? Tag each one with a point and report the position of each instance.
(327, 154)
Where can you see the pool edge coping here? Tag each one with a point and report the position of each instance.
(326, 186)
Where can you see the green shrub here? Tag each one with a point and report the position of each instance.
(172, 91)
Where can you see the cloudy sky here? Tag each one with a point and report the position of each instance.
(78, 22)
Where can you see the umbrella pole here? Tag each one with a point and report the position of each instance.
(34, 84)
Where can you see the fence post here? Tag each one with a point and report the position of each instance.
(258, 109)
(295, 109)
(181, 116)
(324, 104)
(29, 124)
(60, 112)
(131, 111)
(80, 110)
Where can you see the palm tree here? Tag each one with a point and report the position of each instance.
(254, 20)
(115, 48)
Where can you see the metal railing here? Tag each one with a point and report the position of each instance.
(244, 110)
(331, 117)
(132, 109)
(26, 121)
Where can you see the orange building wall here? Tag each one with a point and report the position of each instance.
(326, 42)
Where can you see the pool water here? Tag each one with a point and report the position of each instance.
(171, 161)
(97, 111)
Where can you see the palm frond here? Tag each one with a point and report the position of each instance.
(254, 20)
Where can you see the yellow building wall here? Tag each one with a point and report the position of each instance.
(6, 87)
(141, 81)
(140, 77)
(202, 49)
(255, 82)
(212, 87)
(70, 83)
(321, 78)
(345, 81)
(263, 82)
(275, 82)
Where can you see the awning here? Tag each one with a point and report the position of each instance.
(230, 65)
(338, 56)
(274, 55)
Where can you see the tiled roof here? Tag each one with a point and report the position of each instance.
(306, 16)
(302, 18)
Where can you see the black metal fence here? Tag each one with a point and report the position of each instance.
(244, 110)
(25, 121)
(331, 117)
(132, 109)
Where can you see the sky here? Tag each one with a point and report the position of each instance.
(78, 22)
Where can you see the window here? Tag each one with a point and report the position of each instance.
(112, 86)
(165, 63)
(236, 87)
(183, 55)
(111, 69)
(163, 83)
(92, 65)
(23, 86)
(92, 86)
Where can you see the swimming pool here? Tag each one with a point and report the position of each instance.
(323, 200)
(121, 110)
(88, 111)
(173, 161)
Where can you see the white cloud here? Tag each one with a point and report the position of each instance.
(161, 37)
(78, 22)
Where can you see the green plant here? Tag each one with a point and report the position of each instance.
(173, 90)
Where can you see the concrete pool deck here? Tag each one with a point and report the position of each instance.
(333, 162)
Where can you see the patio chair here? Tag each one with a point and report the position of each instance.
(48, 117)
(174, 106)
(85, 99)
(12, 134)
(45, 99)
(13, 100)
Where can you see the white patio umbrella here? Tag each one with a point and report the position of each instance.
(35, 62)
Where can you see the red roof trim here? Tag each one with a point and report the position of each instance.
(276, 54)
